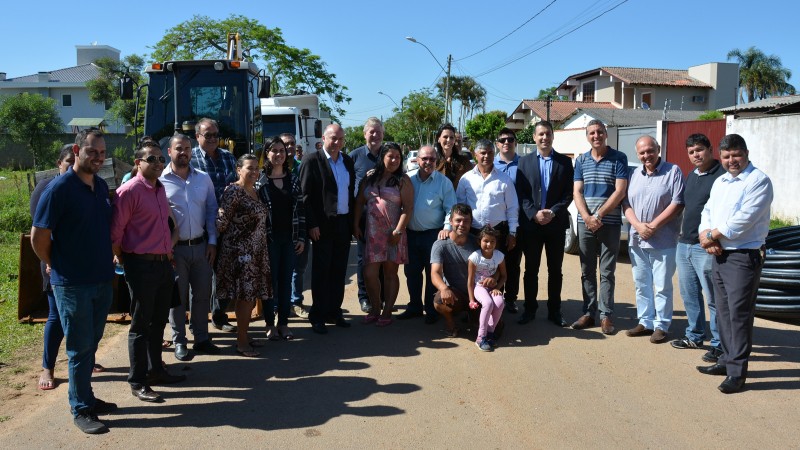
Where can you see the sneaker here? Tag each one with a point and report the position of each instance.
(300, 312)
(685, 342)
(712, 355)
(483, 345)
(101, 407)
(89, 423)
(491, 339)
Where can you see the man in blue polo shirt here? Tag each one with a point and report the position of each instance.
(72, 234)
(601, 180)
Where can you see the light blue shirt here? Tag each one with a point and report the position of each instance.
(193, 202)
(433, 199)
(342, 182)
(545, 167)
(508, 168)
(738, 208)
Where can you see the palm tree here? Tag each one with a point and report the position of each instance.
(470, 94)
(760, 75)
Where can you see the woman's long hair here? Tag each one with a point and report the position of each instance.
(269, 142)
(380, 167)
(438, 146)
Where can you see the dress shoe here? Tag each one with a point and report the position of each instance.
(100, 407)
(163, 377)
(409, 314)
(206, 347)
(226, 327)
(431, 319)
(659, 336)
(732, 385)
(145, 394)
(511, 307)
(607, 325)
(558, 320)
(319, 328)
(583, 322)
(181, 352)
(365, 306)
(525, 318)
(638, 330)
(715, 369)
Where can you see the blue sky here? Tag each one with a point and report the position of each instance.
(363, 42)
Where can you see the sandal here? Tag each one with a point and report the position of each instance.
(166, 344)
(285, 333)
(45, 384)
(384, 322)
(369, 318)
(272, 334)
(247, 353)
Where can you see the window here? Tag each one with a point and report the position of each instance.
(66, 100)
(588, 91)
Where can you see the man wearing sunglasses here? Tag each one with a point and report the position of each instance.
(142, 241)
(507, 161)
(220, 165)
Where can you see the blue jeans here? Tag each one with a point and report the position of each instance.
(83, 310)
(604, 242)
(300, 265)
(652, 276)
(281, 263)
(694, 278)
(53, 333)
(419, 262)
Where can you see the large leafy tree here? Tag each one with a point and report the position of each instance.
(486, 125)
(105, 88)
(31, 120)
(760, 75)
(416, 123)
(354, 137)
(291, 68)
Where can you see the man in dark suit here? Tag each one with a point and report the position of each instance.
(544, 189)
(327, 178)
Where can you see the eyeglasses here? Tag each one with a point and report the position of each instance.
(210, 135)
(153, 158)
(428, 159)
(504, 140)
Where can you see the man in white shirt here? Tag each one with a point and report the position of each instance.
(733, 227)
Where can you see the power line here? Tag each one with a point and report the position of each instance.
(507, 35)
(486, 72)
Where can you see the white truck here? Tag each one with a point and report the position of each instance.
(296, 114)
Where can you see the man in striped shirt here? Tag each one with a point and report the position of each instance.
(601, 180)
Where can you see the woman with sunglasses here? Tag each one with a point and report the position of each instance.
(243, 270)
(452, 163)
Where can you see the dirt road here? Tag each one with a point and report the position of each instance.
(407, 386)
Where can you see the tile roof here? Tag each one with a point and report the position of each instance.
(764, 104)
(636, 117)
(657, 77)
(560, 110)
(77, 74)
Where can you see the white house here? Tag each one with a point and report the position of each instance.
(68, 88)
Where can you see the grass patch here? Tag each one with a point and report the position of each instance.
(777, 222)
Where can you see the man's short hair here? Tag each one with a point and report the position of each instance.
(483, 143)
(507, 131)
(205, 120)
(83, 136)
(372, 122)
(178, 137)
(546, 124)
(287, 135)
(732, 142)
(698, 139)
(462, 209)
(145, 144)
(66, 150)
(595, 122)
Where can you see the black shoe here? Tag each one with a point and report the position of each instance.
(89, 423)
(712, 355)
(145, 394)
(558, 320)
(525, 318)
(102, 408)
(163, 377)
(181, 352)
(319, 328)
(226, 327)
(716, 369)
(732, 385)
(341, 323)
(365, 306)
(511, 307)
(431, 319)
(206, 347)
(409, 314)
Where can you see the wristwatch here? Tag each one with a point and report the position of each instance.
(397, 232)
(710, 236)
(596, 216)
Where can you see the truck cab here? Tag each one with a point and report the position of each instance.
(299, 115)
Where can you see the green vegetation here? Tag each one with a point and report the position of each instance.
(710, 115)
(777, 222)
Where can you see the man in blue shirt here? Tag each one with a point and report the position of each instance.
(733, 227)
(72, 234)
(507, 161)
(434, 197)
(601, 180)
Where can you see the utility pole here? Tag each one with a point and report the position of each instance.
(447, 91)
(548, 108)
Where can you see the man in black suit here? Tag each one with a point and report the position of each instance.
(544, 189)
(327, 178)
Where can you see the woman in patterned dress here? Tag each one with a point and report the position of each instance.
(452, 163)
(243, 272)
(386, 196)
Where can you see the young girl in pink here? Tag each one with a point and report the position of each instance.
(486, 274)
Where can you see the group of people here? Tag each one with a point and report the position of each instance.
(202, 229)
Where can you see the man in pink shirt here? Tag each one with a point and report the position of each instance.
(142, 241)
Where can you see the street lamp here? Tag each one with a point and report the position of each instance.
(390, 98)
(447, 71)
